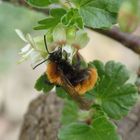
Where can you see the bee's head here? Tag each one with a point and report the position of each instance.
(56, 55)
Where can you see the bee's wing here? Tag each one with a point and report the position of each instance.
(68, 87)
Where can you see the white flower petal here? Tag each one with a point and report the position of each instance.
(31, 41)
(28, 53)
(81, 38)
(35, 57)
(21, 35)
(25, 49)
(59, 33)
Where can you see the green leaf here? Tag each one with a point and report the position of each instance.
(38, 3)
(98, 13)
(113, 5)
(47, 23)
(41, 27)
(42, 84)
(108, 5)
(73, 18)
(99, 66)
(52, 21)
(96, 18)
(61, 92)
(69, 113)
(57, 12)
(100, 129)
(113, 93)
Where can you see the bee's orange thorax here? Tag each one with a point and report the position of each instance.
(53, 74)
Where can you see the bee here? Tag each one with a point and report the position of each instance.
(74, 78)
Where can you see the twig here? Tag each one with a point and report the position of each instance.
(130, 41)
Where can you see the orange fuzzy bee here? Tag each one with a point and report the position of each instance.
(79, 79)
(82, 80)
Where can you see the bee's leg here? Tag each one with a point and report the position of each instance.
(40, 63)
(78, 61)
(65, 55)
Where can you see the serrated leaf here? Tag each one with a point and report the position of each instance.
(98, 13)
(52, 21)
(113, 5)
(108, 5)
(100, 67)
(115, 95)
(69, 113)
(100, 129)
(42, 84)
(96, 18)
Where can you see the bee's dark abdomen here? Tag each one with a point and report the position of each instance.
(74, 75)
(79, 77)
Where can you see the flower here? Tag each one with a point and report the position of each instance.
(70, 39)
(33, 50)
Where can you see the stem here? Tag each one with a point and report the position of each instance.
(130, 41)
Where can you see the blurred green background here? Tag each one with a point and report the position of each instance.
(16, 81)
(11, 18)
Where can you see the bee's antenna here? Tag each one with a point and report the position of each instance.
(46, 46)
(40, 64)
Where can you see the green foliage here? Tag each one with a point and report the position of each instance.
(98, 13)
(102, 18)
(108, 5)
(113, 97)
(9, 41)
(96, 17)
(94, 14)
(59, 15)
(41, 3)
(100, 129)
(57, 12)
(61, 92)
(112, 92)
(52, 20)
(73, 18)
(42, 84)
(69, 113)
